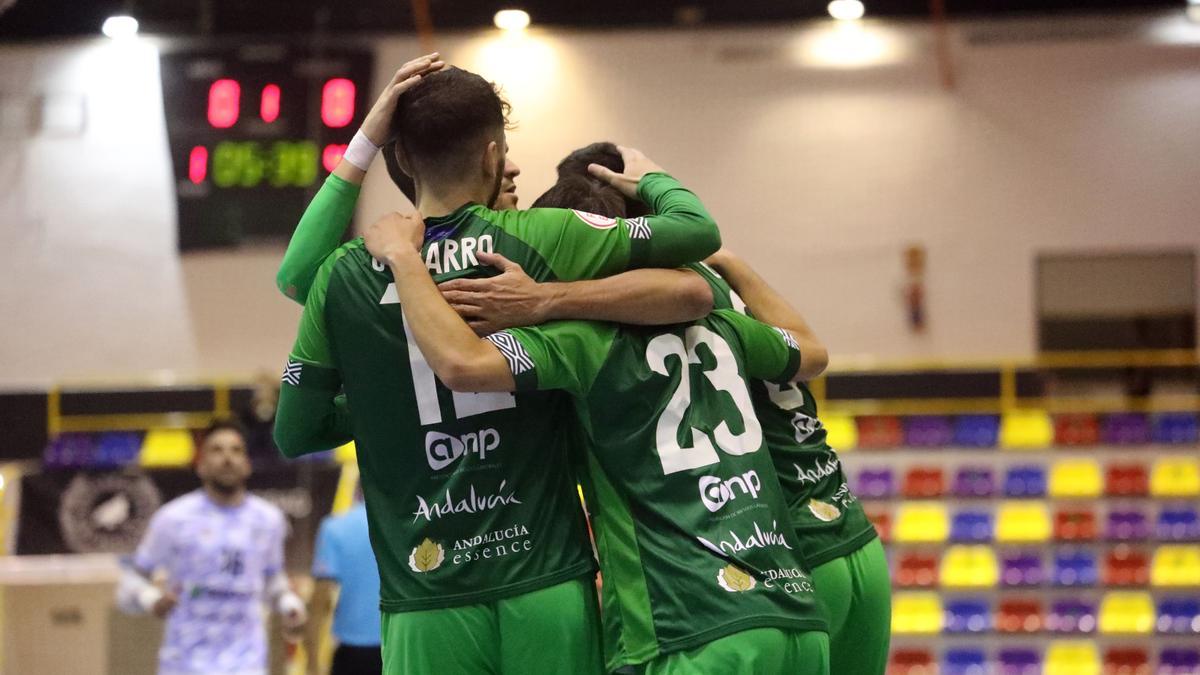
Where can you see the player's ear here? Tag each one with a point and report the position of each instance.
(491, 159)
(401, 160)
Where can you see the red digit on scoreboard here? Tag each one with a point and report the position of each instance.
(198, 164)
(224, 100)
(337, 103)
(269, 106)
(331, 155)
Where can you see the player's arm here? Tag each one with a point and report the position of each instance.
(642, 297)
(767, 305)
(771, 352)
(324, 222)
(136, 592)
(312, 416)
(280, 595)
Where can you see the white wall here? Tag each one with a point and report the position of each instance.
(819, 175)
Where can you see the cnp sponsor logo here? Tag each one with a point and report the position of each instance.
(737, 544)
(717, 492)
(474, 502)
(442, 450)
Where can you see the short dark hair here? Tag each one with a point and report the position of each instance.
(222, 424)
(441, 120)
(607, 155)
(583, 194)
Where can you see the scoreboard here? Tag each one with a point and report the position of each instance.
(253, 129)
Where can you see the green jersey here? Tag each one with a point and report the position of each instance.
(690, 523)
(828, 517)
(470, 497)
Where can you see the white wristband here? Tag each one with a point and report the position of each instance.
(148, 597)
(361, 151)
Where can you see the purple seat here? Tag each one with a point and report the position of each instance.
(974, 481)
(1075, 568)
(1022, 569)
(926, 431)
(1179, 615)
(1126, 429)
(972, 526)
(1128, 526)
(1019, 661)
(1174, 428)
(1071, 616)
(1178, 661)
(968, 615)
(964, 661)
(70, 450)
(977, 431)
(1180, 523)
(875, 483)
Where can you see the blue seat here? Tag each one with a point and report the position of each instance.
(967, 615)
(1022, 569)
(1075, 567)
(964, 661)
(1178, 661)
(1174, 428)
(972, 526)
(977, 431)
(1178, 523)
(1020, 661)
(1179, 615)
(70, 451)
(1026, 480)
(117, 449)
(1072, 616)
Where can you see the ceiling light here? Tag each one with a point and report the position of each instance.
(846, 10)
(120, 27)
(511, 19)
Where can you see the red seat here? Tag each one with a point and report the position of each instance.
(1076, 429)
(882, 520)
(1127, 480)
(917, 569)
(1126, 566)
(1019, 616)
(911, 662)
(1075, 525)
(879, 431)
(924, 483)
(1126, 661)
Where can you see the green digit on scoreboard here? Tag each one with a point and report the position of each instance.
(307, 158)
(227, 164)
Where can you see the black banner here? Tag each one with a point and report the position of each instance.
(108, 511)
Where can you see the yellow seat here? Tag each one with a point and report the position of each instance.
(346, 454)
(1076, 478)
(1176, 565)
(924, 522)
(841, 431)
(167, 448)
(1022, 521)
(917, 613)
(1026, 430)
(1127, 612)
(969, 567)
(1072, 657)
(1175, 477)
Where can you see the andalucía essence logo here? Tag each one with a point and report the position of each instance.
(426, 557)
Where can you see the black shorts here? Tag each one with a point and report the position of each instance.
(350, 660)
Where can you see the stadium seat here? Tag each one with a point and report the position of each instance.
(882, 520)
(1174, 428)
(923, 483)
(1127, 525)
(879, 431)
(875, 483)
(1076, 524)
(1026, 430)
(1179, 615)
(1074, 615)
(1019, 615)
(1076, 478)
(1072, 657)
(964, 661)
(69, 450)
(1022, 521)
(1075, 568)
(1178, 523)
(840, 430)
(1126, 661)
(1127, 480)
(928, 431)
(117, 449)
(916, 613)
(1175, 477)
(1022, 569)
(1076, 429)
(167, 448)
(968, 615)
(1176, 565)
(1019, 661)
(969, 567)
(1125, 612)
(1125, 429)
(1178, 661)
(974, 481)
(922, 522)
(911, 662)
(977, 431)
(1027, 480)
(1126, 566)
(972, 526)
(917, 569)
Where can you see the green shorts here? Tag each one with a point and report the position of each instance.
(759, 651)
(857, 593)
(549, 631)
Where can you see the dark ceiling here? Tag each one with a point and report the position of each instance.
(32, 19)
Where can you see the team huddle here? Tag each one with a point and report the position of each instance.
(486, 361)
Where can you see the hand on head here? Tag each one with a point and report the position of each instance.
(377, 125)
(637, 165)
